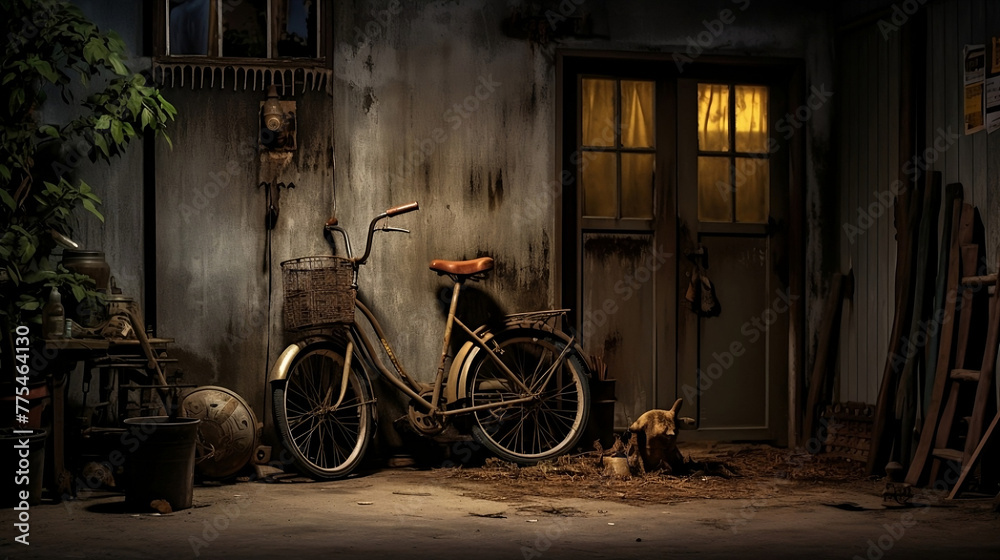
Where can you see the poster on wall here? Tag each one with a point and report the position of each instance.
(993, 89)
(974, 60)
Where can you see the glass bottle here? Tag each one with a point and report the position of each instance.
(53, 316)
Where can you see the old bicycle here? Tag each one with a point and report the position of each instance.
(521, 389)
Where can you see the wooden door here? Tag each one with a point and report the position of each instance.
(619, 226)
(732, 216)
(635, 207)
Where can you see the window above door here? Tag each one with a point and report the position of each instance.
(616, 155)
(733, 153)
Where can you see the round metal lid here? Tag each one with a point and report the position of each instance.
(227, 435)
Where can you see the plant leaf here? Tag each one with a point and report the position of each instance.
(45, 69)
(49, 130)
(7, 199)
(29, 251)
(89, 205)
(116, 132)
(101, 143)
(134, 103)
(117, 65)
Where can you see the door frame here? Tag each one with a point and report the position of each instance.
(788, 74)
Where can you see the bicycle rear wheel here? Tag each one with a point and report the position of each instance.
(325, 442)
(545, 427)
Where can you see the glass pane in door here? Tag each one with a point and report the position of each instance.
(713, 117)
(637, 185)
(598, 112)
(637, 114)
(752, 177)
(751, 119)
(599, 178)
(715, 196)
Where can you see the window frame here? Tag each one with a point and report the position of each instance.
(618, 222)
(324, 41)
(732, 154)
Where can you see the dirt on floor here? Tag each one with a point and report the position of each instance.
(720, 471)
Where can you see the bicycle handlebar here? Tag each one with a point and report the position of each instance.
(402, 209)
(332, 224)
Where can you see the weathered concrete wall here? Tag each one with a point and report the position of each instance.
(430, 101)
(120, 182)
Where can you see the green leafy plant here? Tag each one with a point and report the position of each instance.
(50, 46)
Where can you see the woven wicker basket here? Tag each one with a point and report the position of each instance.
(318, 292)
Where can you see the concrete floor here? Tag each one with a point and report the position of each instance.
(408, 513)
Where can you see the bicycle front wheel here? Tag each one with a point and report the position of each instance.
(325, 441)
(548, 425)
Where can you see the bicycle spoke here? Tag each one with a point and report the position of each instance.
(544, 426)
(326, 443)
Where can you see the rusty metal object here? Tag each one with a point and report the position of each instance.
(900, 492)
(227, 434)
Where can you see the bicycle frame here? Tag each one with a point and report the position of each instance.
(357, 337)
(405, 384)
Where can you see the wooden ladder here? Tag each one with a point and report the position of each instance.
(991, 432)
(962, 224)
(962, 380)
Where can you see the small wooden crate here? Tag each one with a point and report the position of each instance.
(318, 292)
(849, 428)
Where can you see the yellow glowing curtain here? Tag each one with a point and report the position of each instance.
(598, 112)
(733, 188)
(637, 114)
(617, 156)
(751, 119)
(713, 117)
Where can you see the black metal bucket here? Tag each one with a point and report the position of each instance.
(160, 463)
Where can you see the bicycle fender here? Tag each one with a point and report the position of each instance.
(279, 371)
(458, 375)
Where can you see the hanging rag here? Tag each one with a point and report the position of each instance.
(701, 294)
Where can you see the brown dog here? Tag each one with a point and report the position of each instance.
(660, 430)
